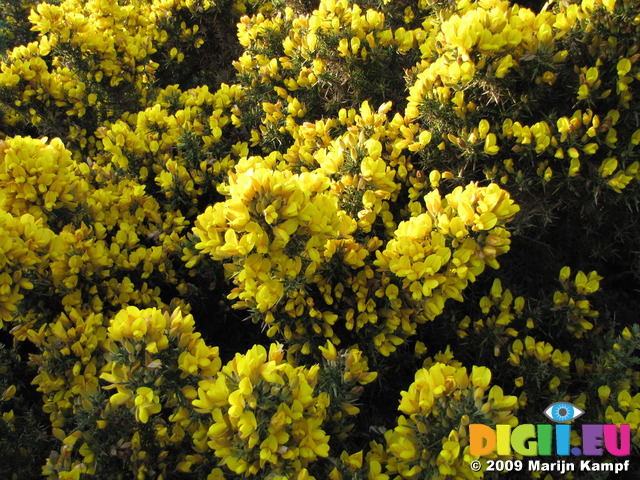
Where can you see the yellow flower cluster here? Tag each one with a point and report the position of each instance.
(469, 221)
(540, 355)
(68, 366)
(32, 83)
(141, 335)
(93, 28)
(140, 355)
(544, 370)
(471, 38)
(279, 228)
(96, 236)
(137, 340)
(501, 310)
(38, 177)
(91, 34)
(432, 441)
(267, 420)
(434, 255)
(540, 371)
(96, 60)
(505, 333)
(24, 244)
(627, 411)
(573, 302)
(342, 375)
(483, 50)
(77, 243)
(173, 143)
(296, 54)
(363, 163)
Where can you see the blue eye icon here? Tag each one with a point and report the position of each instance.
(563, 412)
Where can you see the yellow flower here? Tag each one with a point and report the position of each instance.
(608, 166)
(121, 397)
(147, 403)
(258, 389)
(604, 392)
(329, 352)
(504, 65)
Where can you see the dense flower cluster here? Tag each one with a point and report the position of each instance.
(173, 143)
(291, 228)
(337, 176)
(266, 418)
(432, 441)
(150, 362)
(505, 44)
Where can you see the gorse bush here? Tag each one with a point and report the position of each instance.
(294, 240)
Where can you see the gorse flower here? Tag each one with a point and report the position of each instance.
(39, 177)
(266, 418)
(433, 439)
